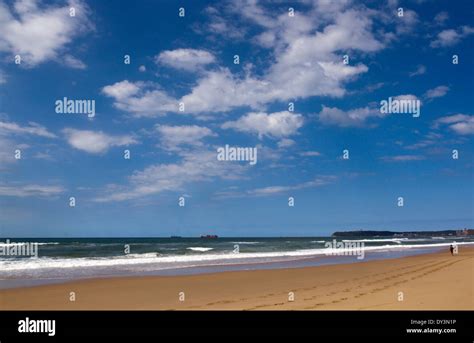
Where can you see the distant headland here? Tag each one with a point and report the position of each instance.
(463, 232)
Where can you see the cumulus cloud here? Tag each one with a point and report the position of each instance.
(172, 137)
(218, 26)
(186, 59)
(356, 117)
(39, 32)
(408, 22)
(95, 142)
(140, 98)
(306, 62)
(195, 166)
(121, 89)
(451, 37)
(276, 125)
(461, 124)
(221, 91)
(285, 143)
(436, 92)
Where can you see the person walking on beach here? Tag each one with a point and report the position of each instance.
(451, 249)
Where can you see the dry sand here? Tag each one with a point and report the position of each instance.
(430, 281)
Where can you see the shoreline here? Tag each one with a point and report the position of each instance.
(42, 271)
(211, 268)
(427, 281)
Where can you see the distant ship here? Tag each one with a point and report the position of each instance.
(209, 236)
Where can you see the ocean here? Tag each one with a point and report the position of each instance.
(62, 259)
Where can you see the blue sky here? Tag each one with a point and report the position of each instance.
(190, 60)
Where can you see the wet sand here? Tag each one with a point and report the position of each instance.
(435, 281)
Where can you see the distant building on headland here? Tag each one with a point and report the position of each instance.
(465, 232)
(367, 233)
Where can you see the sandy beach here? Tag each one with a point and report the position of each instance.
(435, 281)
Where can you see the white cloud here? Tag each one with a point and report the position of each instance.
(461, 124)
(186, 59)
(420, 70)
(408, 22)
(267, 39)
(356, 117)
(250, 9)
(441, 18)
(216, 91)
(95, 142)
(140, 98)
(464, 127)
(451, 37)
(174, 136)
(220, 91)
(389, 14)
(35, 129)
(310, 153)
(403, 158)
(142, 68)
(274, 190)
(437, 92)
(74, 62)
(121, 90)
(217, 26)
(328, 8)
(406, 97)
(271, 190)
(451, 119)
(195, 166)
(429, 139)
(285, 143)
(39, 33)
(8, 146)
(306, 61)
(31, 190)
(277, 124)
